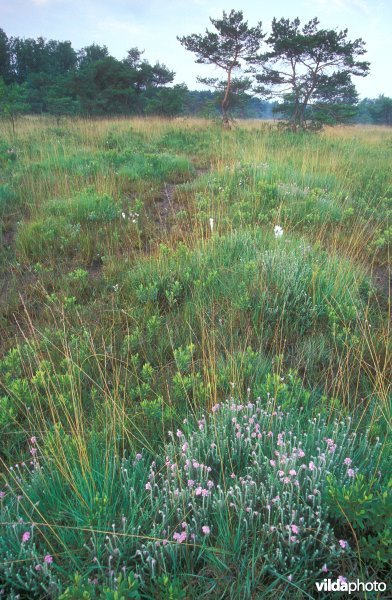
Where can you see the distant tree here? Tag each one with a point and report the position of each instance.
(310, 69)
(104, 87)
(380, 110)
(133, 59)
(233, 44)
(146, 80)
(13, 102)
(335, 101)
(29, 56)
(38, 85)
(91, 54)
(60, 101)
(62, 58)
(167, 102)
(5, 58)
(238, 97)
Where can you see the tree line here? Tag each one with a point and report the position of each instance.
(299, 73)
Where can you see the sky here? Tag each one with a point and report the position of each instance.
(152, 26)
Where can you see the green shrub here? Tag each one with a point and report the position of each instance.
(365, 506)
(9, 201)
(85, 207)
(154, 166)
(48, 238)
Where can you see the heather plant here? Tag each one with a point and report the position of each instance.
(237, 499)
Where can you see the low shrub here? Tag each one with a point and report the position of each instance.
(85, 207)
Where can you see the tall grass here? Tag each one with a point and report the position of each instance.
(143, 283)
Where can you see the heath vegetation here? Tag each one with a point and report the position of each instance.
(195, 398)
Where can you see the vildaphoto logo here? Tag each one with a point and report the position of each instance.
(342, 585)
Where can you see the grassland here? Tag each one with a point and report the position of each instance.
(142, 285)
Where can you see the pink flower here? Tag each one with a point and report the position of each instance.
(342, 579)
(138, 456)
(301, 453)
(312, 466)
(347, 461)
(331, 445)
(33, 439)
(206, 530)
(2, 494)
(191, 483)
(350, 472)
(324, 568)
(292, 472)
(280, 473)
(273, 463)
(343, 543)
(232, 476)
(26, 536)
(180, 537)
(48, 559)
(37, 567)
(184, 525)
(294, 529)
(185, 447)
(210, 484)
(33, 451)
(205, 493)
(148, 486)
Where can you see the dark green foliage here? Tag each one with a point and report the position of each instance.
(5, 58)
(13, 101)
(233, 44)
(104, 87)
(60, 81)
(365, 506)
(377, 111)
(315, 65)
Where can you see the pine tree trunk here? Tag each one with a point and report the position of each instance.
(225, 102)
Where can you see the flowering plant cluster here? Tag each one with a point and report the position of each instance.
(245, 485)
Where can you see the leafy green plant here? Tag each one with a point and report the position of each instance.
(365, 506)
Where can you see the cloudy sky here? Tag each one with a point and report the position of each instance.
(153, 25)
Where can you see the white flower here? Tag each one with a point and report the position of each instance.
(115, 287)
(278, 231)
(124, 216)
(211, 224)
